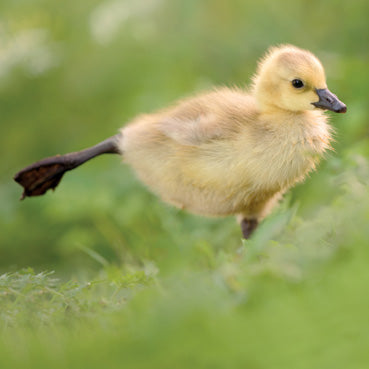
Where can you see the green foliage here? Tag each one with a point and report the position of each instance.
(138, 284)
(37, 300)
(298, 302)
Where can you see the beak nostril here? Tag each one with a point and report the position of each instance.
(329, 99)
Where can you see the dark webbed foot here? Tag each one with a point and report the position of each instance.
(46, 174)
(248, 226)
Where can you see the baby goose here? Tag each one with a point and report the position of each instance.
(225, 152)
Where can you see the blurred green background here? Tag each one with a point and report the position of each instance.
(73, 73)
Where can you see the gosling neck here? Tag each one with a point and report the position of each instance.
(275, 114)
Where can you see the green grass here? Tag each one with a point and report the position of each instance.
(101, 274)
(298, 302)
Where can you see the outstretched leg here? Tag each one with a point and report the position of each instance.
(248, 226)
(46, 174)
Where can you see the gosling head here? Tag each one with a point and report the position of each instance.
(293, 79)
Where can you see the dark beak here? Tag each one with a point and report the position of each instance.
(329, 101)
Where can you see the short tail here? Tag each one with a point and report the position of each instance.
(46, 174)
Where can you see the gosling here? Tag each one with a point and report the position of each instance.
(225, 152)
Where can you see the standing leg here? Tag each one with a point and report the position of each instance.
(248, 226)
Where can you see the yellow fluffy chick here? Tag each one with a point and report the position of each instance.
(226, 152)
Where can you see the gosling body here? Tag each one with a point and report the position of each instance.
(218, 154)
(225, 152)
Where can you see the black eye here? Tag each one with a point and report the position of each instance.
(297, 83)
